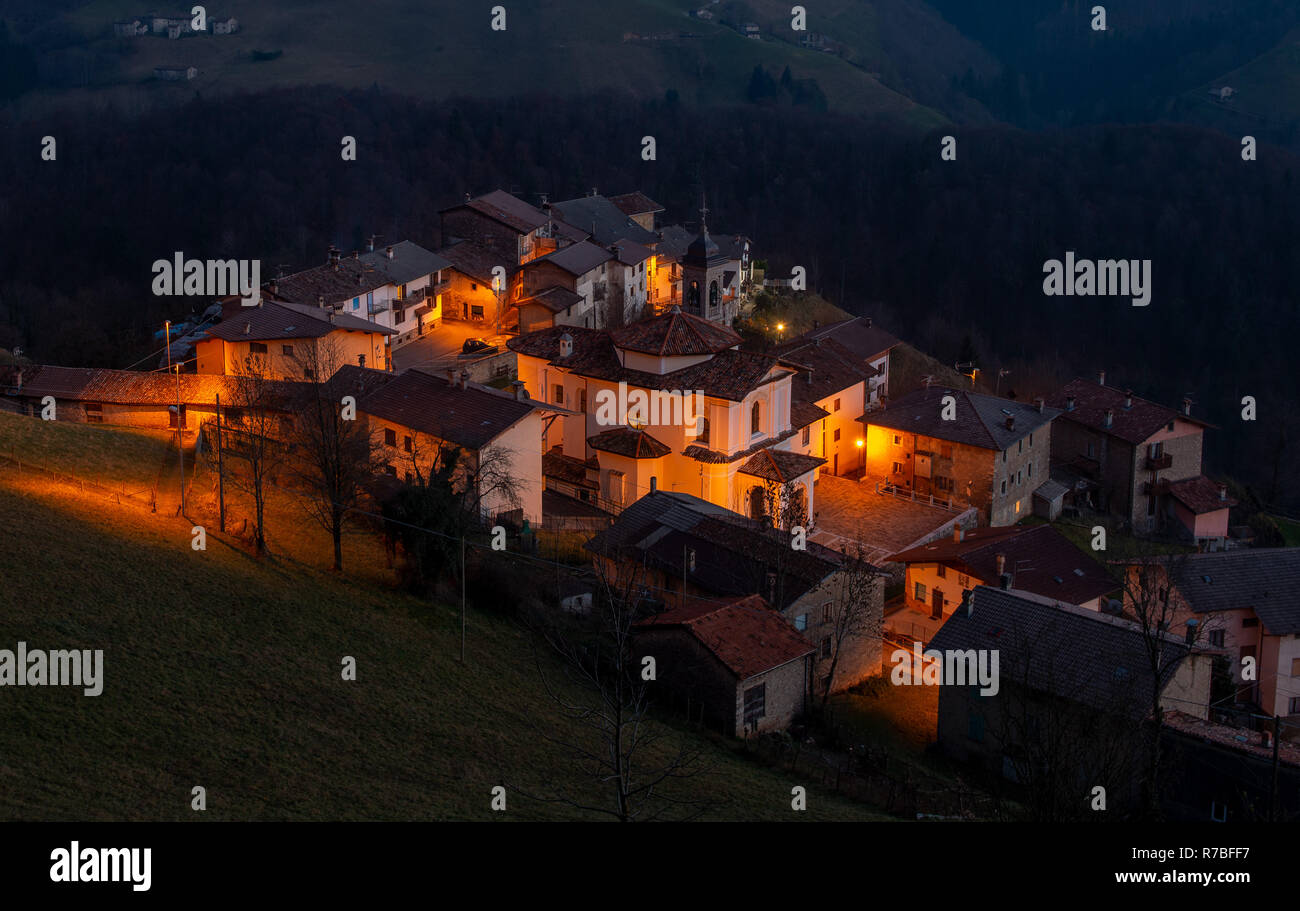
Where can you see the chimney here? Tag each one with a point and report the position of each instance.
(654, 483)
(274, 287)
(320, 300)
(331, 315)
(18, 379)
(958, 534)
(1110, 418)
(1187, 406)
(520, 390)
(1038, 403)
(1223, 491)
(1000, 561)
(464, 379)
(370, 244)
(1004, 582)
(868, 322)
(1011, 423)
(451, 376)
(1128, 399)
(817, 324)
(248, 328)
(968, 601)
(1101, 378)
(1069, 403)
(389, 252)
(356, 254)
(566, 345)
(333, 254)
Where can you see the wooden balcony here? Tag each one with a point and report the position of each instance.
(1159, 463)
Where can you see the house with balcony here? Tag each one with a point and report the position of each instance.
(1037, 559)
(399, 288)
(587, 271)
(1237, 604)
(1143, 460)
(507, 228)
(828, 395)
(961, 447)
(671, 403)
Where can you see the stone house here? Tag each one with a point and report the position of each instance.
(962, 447)
(735, 664)
(510, 229)
(1136, 452)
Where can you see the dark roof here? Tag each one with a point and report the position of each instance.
(729, 374)
(732, 246)
(625, 441)
(630, 253)
(476, 261)
(703, 250)
(1266, 580)
(410, 261)
(1200, 495)
(356, 381)
(747, 636)
(804, 413)
(779, 465)
(602, 220)
(673, 241)
(1133, 424)
(635, 203)
(1040, 559)
(1074, 653)
(554, 298)
(675, 333)
(275, 321)
(333, 284)
(555, 464)
(826, 367)
(733, 555)
(471, 417)
(981, 420)
(508, 210)
(576, 259)
(860, 335)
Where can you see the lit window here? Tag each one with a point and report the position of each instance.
(801, 622)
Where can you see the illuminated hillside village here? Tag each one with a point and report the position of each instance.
(798, 506)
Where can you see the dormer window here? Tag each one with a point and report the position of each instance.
(756, 417)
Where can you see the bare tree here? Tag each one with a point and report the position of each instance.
(251, 435)
(1148, 580)
(857, 610)
(336, 451)
(622, 753)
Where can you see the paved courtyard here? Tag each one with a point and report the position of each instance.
(848, 510)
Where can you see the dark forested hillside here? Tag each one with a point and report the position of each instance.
(950, 254)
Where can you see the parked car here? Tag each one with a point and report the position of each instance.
(475, 346)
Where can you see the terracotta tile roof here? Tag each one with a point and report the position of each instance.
(624, 441)
(470, 417)
(714, 457)
(1265, 580)
(635, 203)
(747, 636)
(981, 420)
(675, 333)
(477, 261)
(351, 278)
(1040, 559)
(779, 466)
(826, 367)
(730, 374)
(274, 321)
(859, 335)
(506, 209)
(555, 464)
(555, 298)
(1200, 495)
(804, 413)
(132, 387)
(1082, 655)
(1133, 424)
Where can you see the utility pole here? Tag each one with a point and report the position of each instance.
(1272, 788)
(180, 438)
(167, 328)
(221, 477)
(462, 597)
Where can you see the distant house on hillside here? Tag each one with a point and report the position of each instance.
(223, 25)
(175, 73)
(130, 28)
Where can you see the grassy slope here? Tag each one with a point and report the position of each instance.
(223, 671)
(564, 46)
(1267, 87)
(122, 459)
